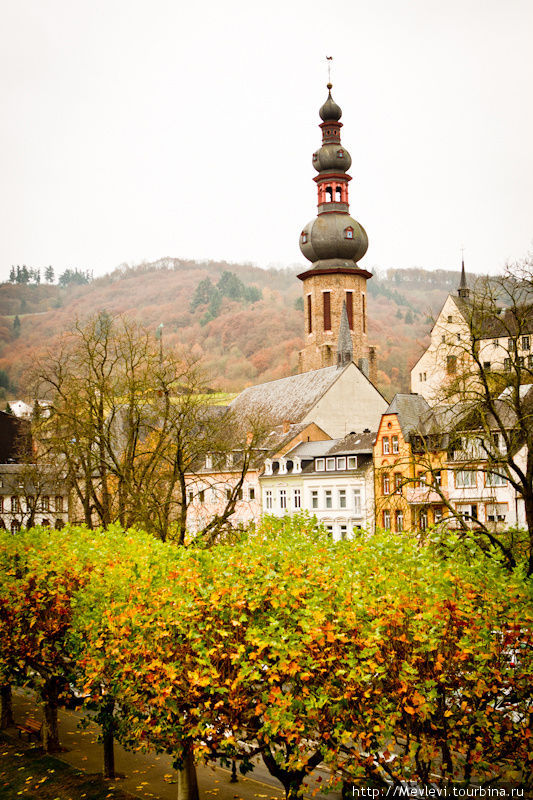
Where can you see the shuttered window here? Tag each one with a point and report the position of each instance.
(349, 308)
(327, 310)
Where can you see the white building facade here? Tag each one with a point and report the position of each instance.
(331, 480)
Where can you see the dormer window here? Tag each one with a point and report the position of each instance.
(304, 237)
(340, 153)
(209, 461)
(315, 156)
(348, 232)
(319, 464)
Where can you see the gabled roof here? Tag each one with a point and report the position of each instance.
(287, 399)
(410, 410)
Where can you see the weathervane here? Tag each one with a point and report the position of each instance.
(329, 59)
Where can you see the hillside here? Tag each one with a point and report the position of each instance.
(248, 332)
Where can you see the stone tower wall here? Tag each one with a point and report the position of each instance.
(321, 346)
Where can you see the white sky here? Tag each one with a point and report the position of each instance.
(137, 129)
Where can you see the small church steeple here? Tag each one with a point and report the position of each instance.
(463, 290)
(344, 343)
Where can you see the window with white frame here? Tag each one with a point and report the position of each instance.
(385, 445)
(357, 502)
(329, 529)
(314, 498)
(283, 499)
(342, 498)
(465, 479)
(386, 519)
(343, 531)
(496, 512)
(352, 462)
(328, 496)
(319, 464)
(495, 479)
(341, 462)
(330, 464)
(268, 499)
(395, 445)
(209, 461)
(525, 342)
(399, 520)
(297, 498)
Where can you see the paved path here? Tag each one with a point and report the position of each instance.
(149, 775)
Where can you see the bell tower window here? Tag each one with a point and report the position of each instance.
(338, 194)
(327, 310)
(329, 194)
(349, 309)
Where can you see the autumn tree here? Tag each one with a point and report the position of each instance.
(36, 591)
(130, 424)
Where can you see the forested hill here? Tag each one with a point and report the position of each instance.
(245, 323)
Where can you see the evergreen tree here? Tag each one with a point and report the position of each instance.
(203, 294)
(12, 275)
(16, 327)
(49, 274)
(24, 274)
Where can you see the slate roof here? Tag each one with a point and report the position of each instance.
(410, 409)
(352, 444)
(287, 399)
(510, 322)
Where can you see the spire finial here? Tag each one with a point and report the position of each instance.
(329, 59)
(344, 343)
(463, 290)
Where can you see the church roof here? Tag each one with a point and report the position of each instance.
(287, 399)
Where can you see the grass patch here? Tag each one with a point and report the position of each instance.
(25, 772)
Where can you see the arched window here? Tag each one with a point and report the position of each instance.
(329, 194)
(338, 194)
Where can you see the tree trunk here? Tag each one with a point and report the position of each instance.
(7, 719)
(108, 730)
(51, 726)
(187, 781)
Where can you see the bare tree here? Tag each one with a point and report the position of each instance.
(129, 423)
(483, 415)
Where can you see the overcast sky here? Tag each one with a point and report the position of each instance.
(136, 129)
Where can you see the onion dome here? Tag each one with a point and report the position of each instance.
(332, 157)
(333, 240)
(330, 111)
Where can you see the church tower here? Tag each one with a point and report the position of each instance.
(335, 286)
